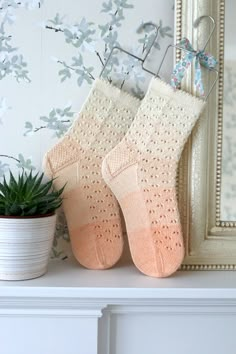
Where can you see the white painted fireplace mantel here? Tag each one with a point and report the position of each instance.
(71, 310)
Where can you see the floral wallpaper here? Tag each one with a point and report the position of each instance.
(50, 53)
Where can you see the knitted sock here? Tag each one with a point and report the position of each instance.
(141, 171)
(90, 207)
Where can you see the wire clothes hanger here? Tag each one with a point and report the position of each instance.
(142, 60)
(195, 25)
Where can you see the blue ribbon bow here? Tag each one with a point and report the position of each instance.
(201, 58)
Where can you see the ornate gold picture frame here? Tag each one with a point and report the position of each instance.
(210, 242)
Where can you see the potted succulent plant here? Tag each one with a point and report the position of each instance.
(27, 224)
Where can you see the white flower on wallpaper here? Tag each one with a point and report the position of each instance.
(85, 35)
(11, 62)
(4, 167)
(79, 34)
(3, 108)
(20, 162)
(9, 7)
(58, 120)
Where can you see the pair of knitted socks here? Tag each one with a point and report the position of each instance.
(122, 149)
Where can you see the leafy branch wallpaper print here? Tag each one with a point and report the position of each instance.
(50, 54)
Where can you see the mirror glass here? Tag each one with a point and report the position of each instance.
(228, 187)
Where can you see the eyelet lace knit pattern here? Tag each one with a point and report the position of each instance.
(90, 207)
(141, 171)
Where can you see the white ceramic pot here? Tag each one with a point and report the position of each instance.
(25, 245)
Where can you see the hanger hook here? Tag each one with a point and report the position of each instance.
(197, 22)
(142, 60)
(141, 27)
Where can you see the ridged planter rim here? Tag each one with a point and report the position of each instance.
(12, 217)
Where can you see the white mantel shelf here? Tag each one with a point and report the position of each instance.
(67, 279)
(118, 311)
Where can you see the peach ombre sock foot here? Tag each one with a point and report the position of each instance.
(91, 210)
(141, 171)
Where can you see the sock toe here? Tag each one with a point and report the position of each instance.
(98, 246)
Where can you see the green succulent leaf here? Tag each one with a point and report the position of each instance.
(28, 195)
